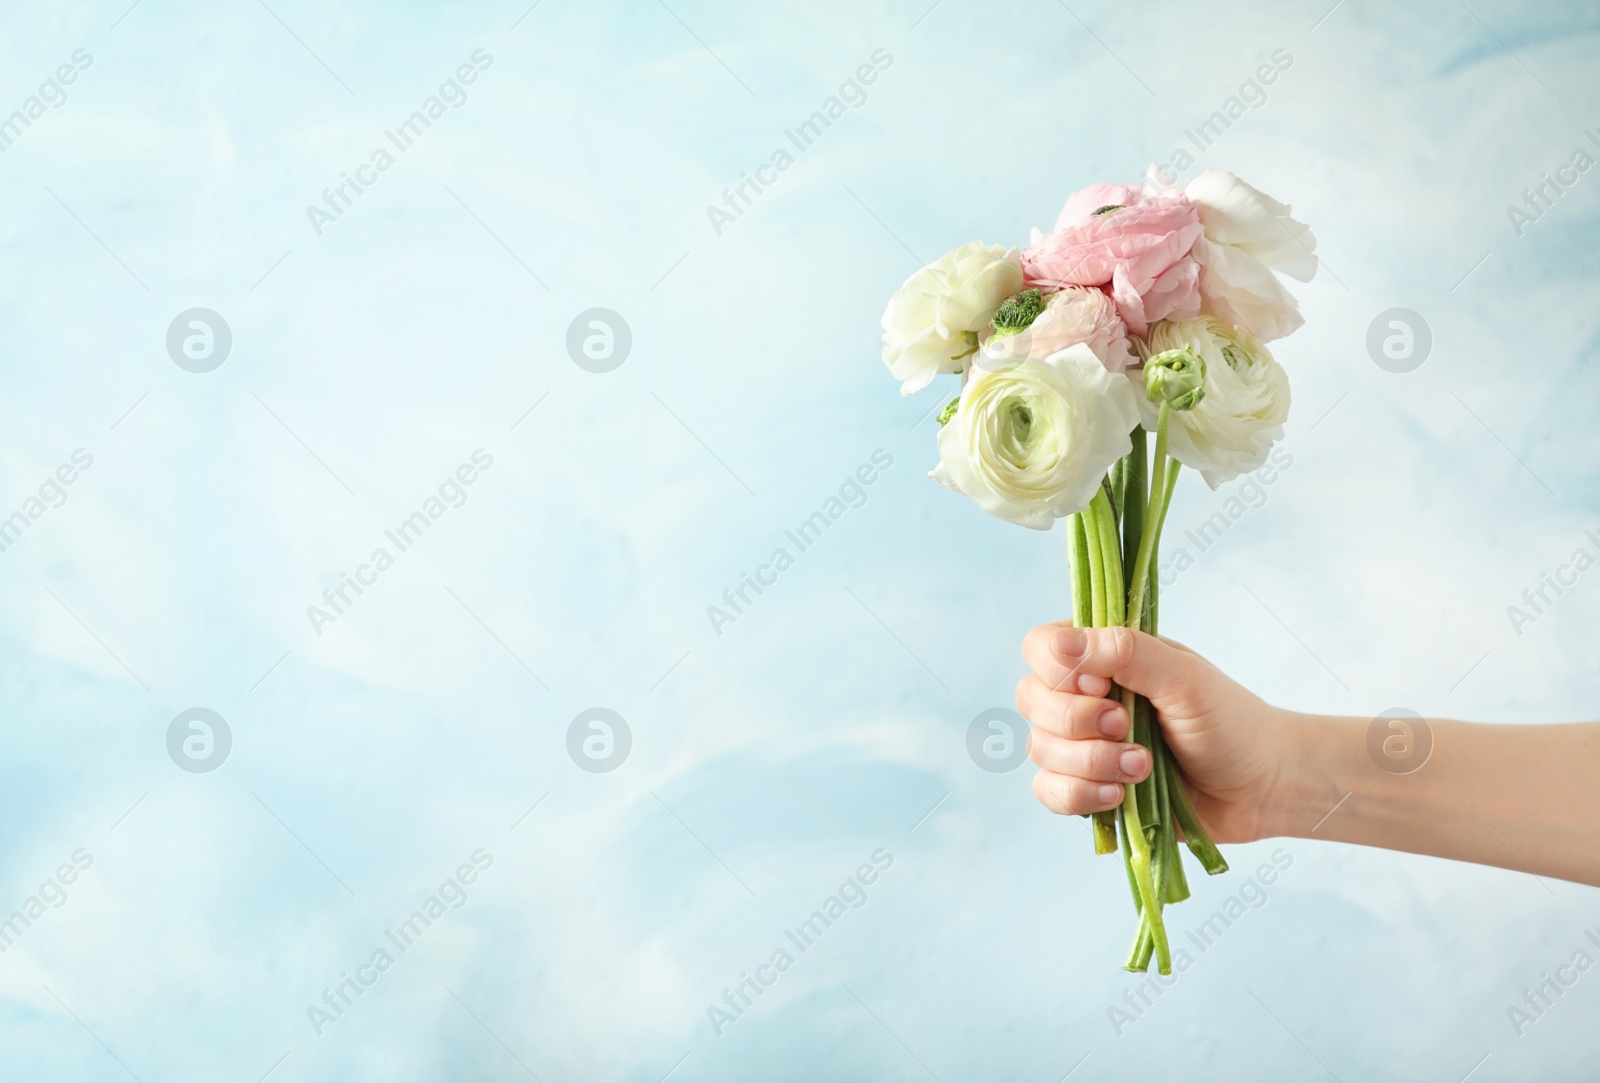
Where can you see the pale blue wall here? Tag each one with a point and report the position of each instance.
(770, 760)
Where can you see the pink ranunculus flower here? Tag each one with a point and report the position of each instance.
(1072, 315)
(1085, 201)
(1140, 253)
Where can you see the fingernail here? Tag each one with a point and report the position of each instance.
(1131, 762)
(1070, 642)
(1109, 794)
(1113, 723)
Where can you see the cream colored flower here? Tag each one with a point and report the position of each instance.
(936, 321)
(1032, 439)
(1245, 404)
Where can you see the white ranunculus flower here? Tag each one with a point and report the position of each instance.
(936, 320)
(1245, 405)
(1248, 236)
(1032, 439)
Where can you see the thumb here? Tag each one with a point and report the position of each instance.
(1134, 660)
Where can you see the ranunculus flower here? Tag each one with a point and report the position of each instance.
(1031, 441)
(1140, 253)
(1071, 315)
(935, 321)
(1248, 235)
(1085, 201)
(1244, 407)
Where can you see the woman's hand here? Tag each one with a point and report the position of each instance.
(1517, 796)
(1236, 751)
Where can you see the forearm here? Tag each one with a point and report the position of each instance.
(1523, 797)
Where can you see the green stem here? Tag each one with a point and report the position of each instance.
(1178, 883)
(1110, 558)
(1143, 946)
(1138, 857)
(1153, 516)
(1133, 885)
(1152, 807)
(1144, 724)
(1082, 556)
(1136, 525)
(1170, 482)
(1101, 516)
(1078, 561)
(1182, 810)
(1194, 834)
(1110, 609)
(1097, 569)
(1171, 883)
(1135, 497)
(1165, 801)
(1154, 586)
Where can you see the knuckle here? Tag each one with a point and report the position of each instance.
(1037, 746)
(1081, 795)
(1023, 700)
(1092, 761)
(1108, 760)
(1068, 795)
(1084, 712)
(1063, 678)
(1048, 709)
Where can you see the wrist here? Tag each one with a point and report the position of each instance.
(1310, 780)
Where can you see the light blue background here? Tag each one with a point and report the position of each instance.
(770, 760)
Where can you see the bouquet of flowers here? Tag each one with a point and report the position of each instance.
(1145, 310)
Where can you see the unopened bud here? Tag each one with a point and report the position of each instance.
(1175, 377)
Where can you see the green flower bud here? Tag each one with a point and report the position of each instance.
(1175, 377)
(1017, 313)
(949, 411)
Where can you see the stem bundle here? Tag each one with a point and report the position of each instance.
(1113, 546)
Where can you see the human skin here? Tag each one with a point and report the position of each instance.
(1520, 797)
